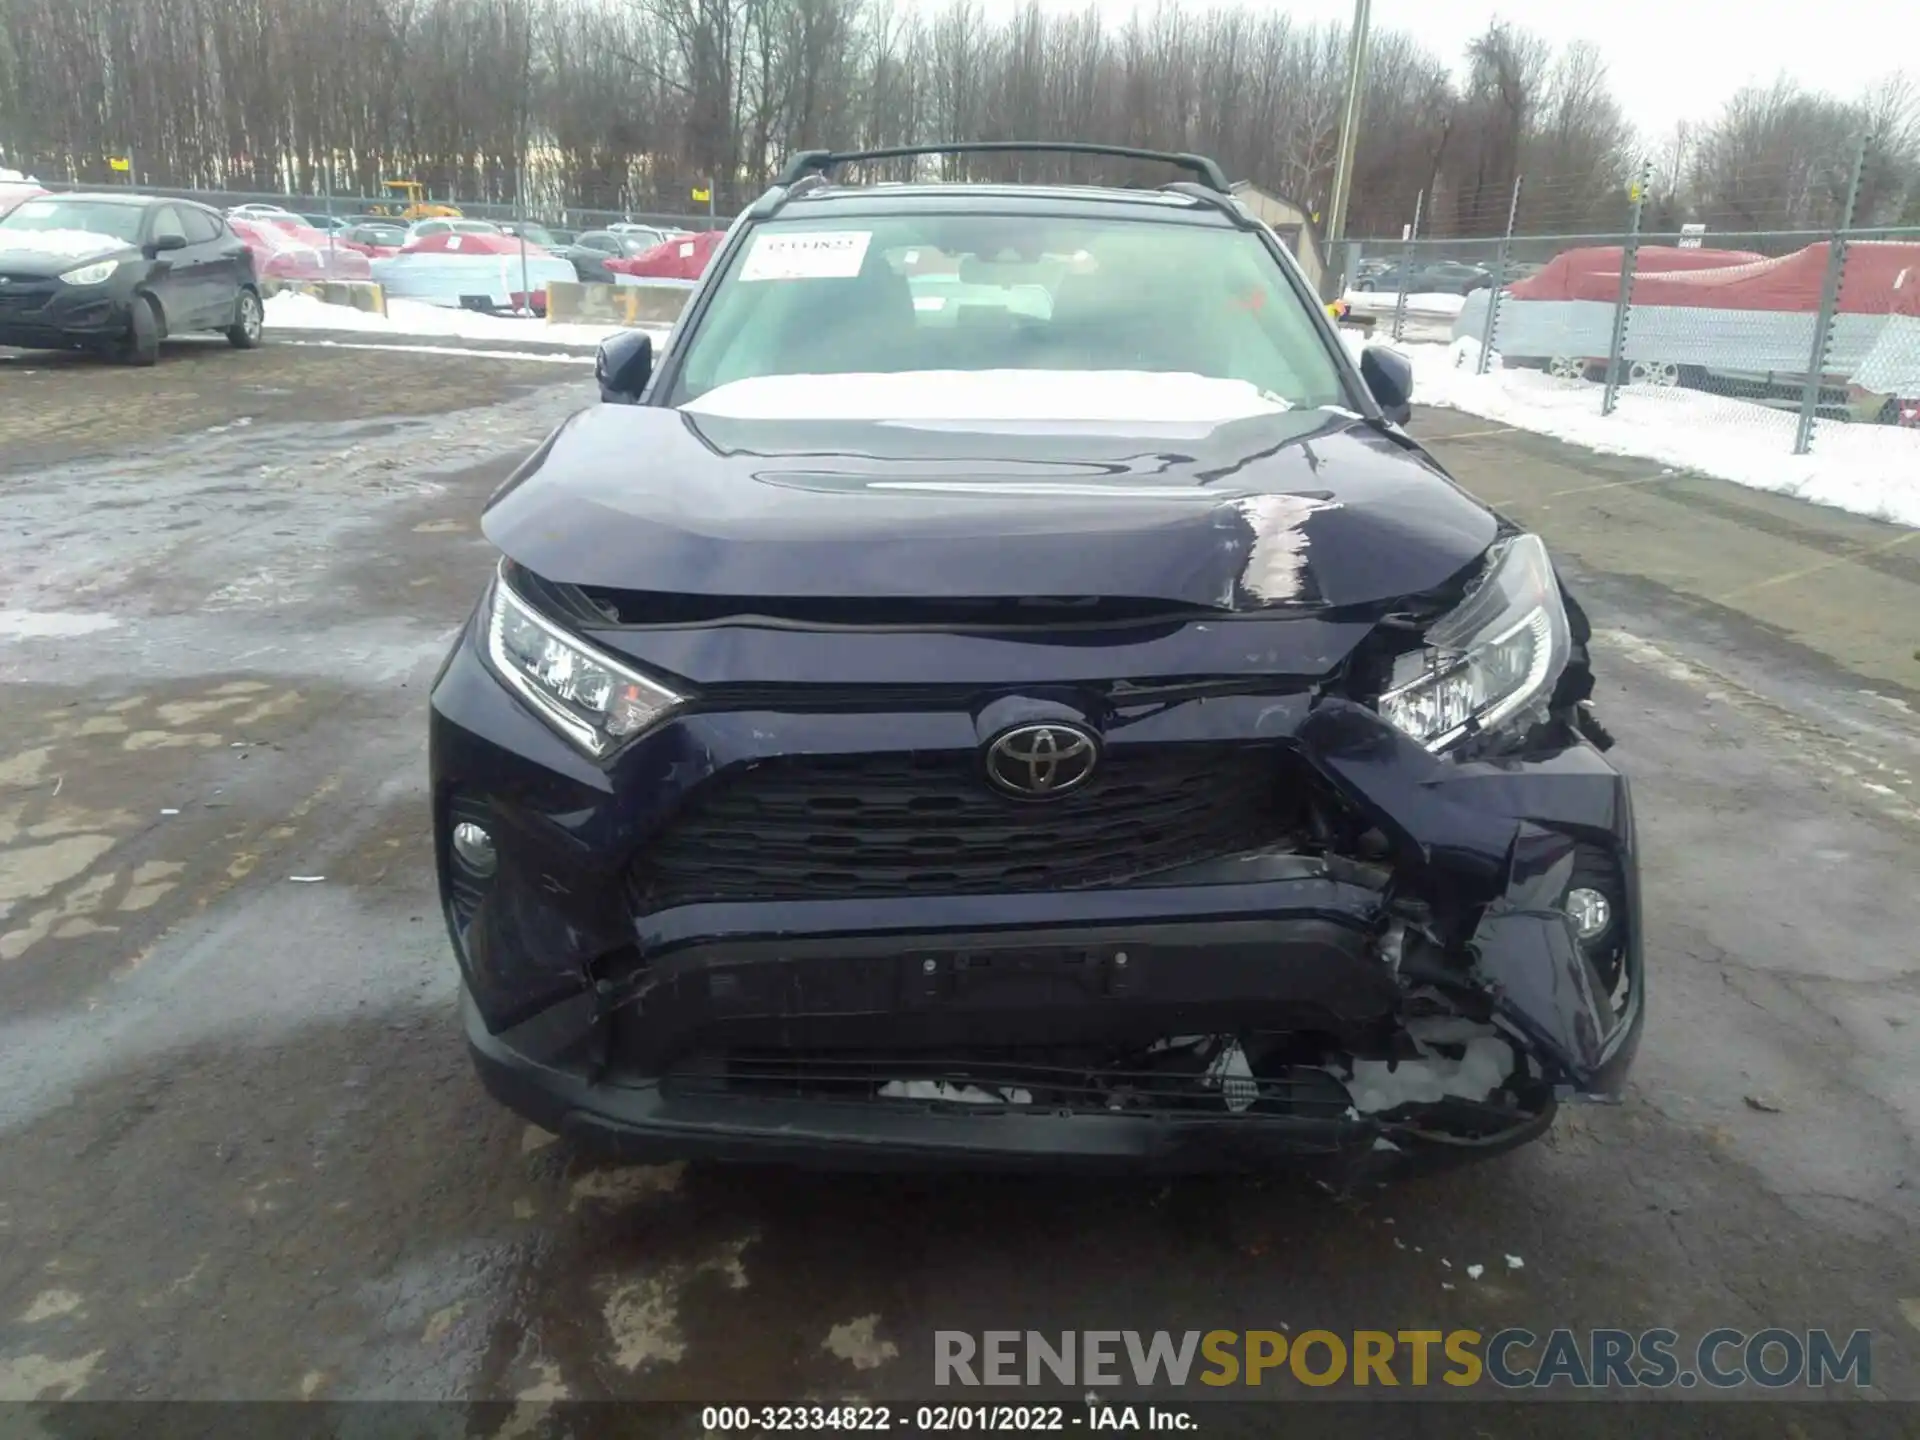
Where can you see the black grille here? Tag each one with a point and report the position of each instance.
(1011, 1082)
(830, 827)
(17, 297)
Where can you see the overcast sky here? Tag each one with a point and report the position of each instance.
(1667, 60)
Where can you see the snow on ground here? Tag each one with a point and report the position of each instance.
(1382, 302)
(553, 357)
(289, 311)
(1867, 469)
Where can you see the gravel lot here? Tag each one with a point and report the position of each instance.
(243, 1152)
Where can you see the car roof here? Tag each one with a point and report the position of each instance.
(1081, 201)
(120, 197)
(93, 197)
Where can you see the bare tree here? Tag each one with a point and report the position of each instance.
(1776, 158)
(625, 104)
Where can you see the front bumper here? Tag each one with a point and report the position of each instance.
(928, 1030)
(52, 315)
(642, 1121)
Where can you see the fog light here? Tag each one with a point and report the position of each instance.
(1591, 912)
(474, 846)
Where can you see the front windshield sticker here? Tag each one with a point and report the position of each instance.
(810, 255)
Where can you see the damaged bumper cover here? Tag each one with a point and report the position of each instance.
(1433, 1000)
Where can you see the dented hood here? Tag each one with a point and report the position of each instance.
(1233, 511)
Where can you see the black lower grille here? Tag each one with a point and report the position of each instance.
(824, 827)
(1171, 1081)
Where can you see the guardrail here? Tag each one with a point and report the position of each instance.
(631, 302)
(361, 295)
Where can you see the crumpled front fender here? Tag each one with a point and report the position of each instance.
(1490, 856)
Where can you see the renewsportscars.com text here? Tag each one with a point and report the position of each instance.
(1512, 1359)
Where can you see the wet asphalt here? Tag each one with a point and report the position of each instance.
(243, 1153)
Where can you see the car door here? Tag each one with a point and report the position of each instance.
(594, 249)
(221, 265)
(172, 280)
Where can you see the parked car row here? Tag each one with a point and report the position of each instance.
(101, 271)
(1730, 322)
(1423, 277)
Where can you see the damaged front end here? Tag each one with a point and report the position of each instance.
(1380, 917)
(1430, 956)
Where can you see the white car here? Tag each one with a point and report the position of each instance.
(445, 226)
(646, 234)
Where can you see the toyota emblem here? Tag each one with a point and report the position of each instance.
(1037, 762)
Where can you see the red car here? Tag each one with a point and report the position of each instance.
(14, 192)
(291, 251)
(684, 257)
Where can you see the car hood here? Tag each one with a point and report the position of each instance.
(1233, 503)
(54, 252)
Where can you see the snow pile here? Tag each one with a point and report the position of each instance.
(413, 317)
(954, 1094)
(1382, 302)
(1379, 1085)
(1867, 469)
(1481, 1068)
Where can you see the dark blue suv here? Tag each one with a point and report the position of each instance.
(1004, 691)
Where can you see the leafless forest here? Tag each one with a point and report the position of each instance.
(631, 103)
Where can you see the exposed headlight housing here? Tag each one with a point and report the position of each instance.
(588, 696)
(1492, 659)
(93, 274)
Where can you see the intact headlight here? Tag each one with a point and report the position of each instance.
(1494, 657)
(584, 693)
(92, 274)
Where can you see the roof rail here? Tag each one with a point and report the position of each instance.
(1226, 202)
(811, 161)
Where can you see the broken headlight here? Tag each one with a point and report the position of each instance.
(1494, 657)
(584, 693)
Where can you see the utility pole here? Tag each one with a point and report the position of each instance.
(1349, 123)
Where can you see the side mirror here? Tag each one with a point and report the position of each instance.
(623, 367)
(160, 244)
(1389, 377)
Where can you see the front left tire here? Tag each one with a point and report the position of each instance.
(141, 345)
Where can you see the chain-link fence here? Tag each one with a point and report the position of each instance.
(402, 204)
(1775, 341)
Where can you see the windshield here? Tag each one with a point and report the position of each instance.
(534, 235)
(108, 218)
(900, 294)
